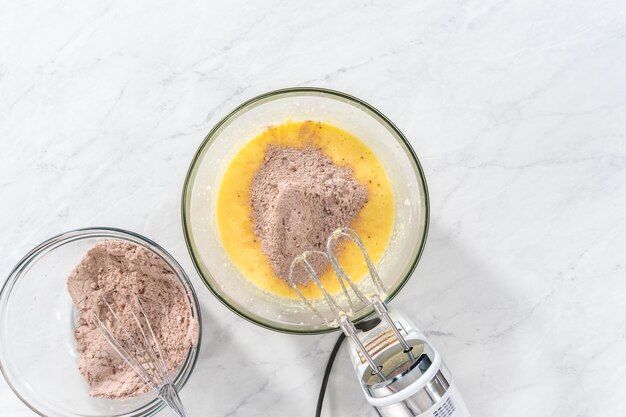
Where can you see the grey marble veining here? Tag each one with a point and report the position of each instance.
(516, 110)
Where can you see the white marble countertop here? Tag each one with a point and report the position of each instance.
(516, 110)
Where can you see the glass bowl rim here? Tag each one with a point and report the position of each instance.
(155, 405)
(250, 104)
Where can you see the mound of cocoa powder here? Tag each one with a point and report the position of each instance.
(130, 270)
(299, 196)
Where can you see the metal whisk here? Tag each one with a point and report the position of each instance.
(136, 344)
(340, 315)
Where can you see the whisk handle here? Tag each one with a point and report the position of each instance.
(169, 395)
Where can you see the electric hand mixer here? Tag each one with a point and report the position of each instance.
(400, 372)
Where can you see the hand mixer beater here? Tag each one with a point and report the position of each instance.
(400, 372)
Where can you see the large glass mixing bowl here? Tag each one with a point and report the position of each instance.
(38, 356)
(249, 120)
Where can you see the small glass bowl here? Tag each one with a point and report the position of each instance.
(38, 356)
(247, 121)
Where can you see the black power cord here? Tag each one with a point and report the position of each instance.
(364, 326)
(329, 368)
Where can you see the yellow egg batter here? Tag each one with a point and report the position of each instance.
(234, 212)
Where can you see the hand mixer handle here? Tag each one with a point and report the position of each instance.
(418, 386)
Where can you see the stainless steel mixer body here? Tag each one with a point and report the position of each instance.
(413, 382)
(400, 372)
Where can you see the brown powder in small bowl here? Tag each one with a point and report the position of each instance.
(130, 270)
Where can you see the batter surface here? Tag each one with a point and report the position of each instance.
(234, 211)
